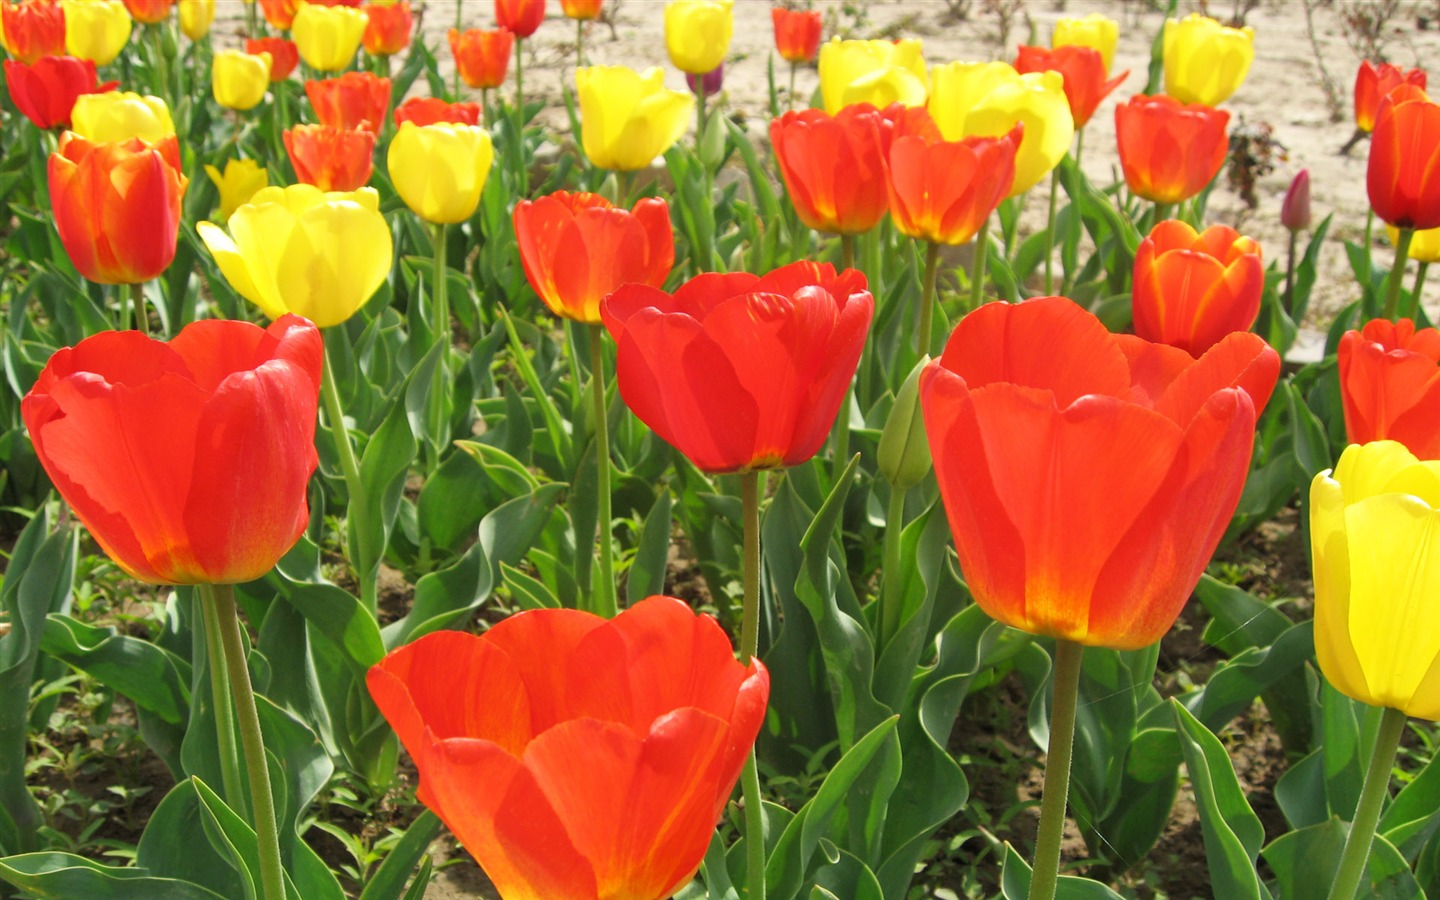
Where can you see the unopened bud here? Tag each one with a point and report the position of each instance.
(1295, 210)
(904, 451)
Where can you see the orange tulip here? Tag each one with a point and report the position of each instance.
(1403, 175)
(481, 56)
(432, 111)
(1390, 385)
(117, 206)
(583, 10)
(1088, 476)
(279, 13)
(605, 768)
(578, 248)
(1169, 151)
(32, 29)
(1191, 290)
(150, 12)
(1084, 71)
(284, 56)
(520, 17)
(1373, 83)
(834, 166)
(388, 31)
(330, 158)
(355, 100)
(797, 33)
(943, 191)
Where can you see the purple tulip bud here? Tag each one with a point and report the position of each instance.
(1295, 210)
(710, 82)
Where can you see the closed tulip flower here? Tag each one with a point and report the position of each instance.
(876, 72)
(628, 118)
(32, 29)
(1192, 289)
(943, 191)
(301, 250)
(187, 461)
(1084, 71)
(433, 110)
(1373, 83)
(388, 29)
(1295, 209)
(1372, 530)
(618, 746)
(1087, 476)
(956, 88)
(284, 58)
(195, 18)
(697, 33)
(119, 116)
(1390, 385)
(520, 17)
(797, 33)
(1095, 31)
(117, 206)
(280, 14)
(581, 10)
(577, 249)
(1205, 62)
(1038, 102)
(834, 166)
(440, 170)
(741, 372)
(1169, 151)
(96, 30)
(150, 12)
(328, 37)
(240, 79)
(481, 56)
(1403, 174)
(45, 91)
(241, 180)
(331, 159)
(355, 100)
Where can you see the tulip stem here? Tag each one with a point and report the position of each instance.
(1046, 874)
(790, 97)
(220, 694)
(252, 24)
(749, 648)
(603, 589)
(1397, 272)
(455, 75)
(439, 407)
(358, 525)
(1050, 233)
(1419, 284)
(1367, 812)
(847, 251)
(1289, 295)
(841, 435)
(137, 309)
(977, 266)
(890, 572)
(580, 42)
(1369, 249)
(927, 294)
(267, 834)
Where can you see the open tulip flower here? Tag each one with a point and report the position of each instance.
(876, 72)
(331, 159)
(697, 33)
(433, 110)
(741, 372)
(328, 37)
(797, 33)
(1390, 385)
(942, 191)
(1099, 33)
(1205, 62)
(239, 80)
(45, 91)
(279, 14)
(1087, 476)
(605, 769)
(350, 101)
(284, 57)
(1169, 151)
(388, 29)
(1374, 83)
(834, 166)
(241, 180)
(440, 170)
(96, 30)
(481, 57)
(121, 115)
(31, 29)
(1403, 174)
(1192, 289)
(188, 461)
(577, 249)
(628, 118)
(300, 250)
(1084, 71)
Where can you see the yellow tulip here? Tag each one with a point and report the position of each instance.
(239, 80)
(439, 170)
(195, 18)
(121, 115)
(1205, 62)
(1424, 244)
(300, 250)
(1094, 31)
(875, 72)
(96, 30)
(628, 118)
(1375, 537)
(697, 33)
(328, 37)
(957, 87)
(242, 179)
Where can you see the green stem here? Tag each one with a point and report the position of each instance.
(1369, 248)
(977, 266)
(749, 647)
(790, 97)
(847, 251)
(524, 168)
(220, 694)
(137, 308)
(580, 42)
(1050, 233)
(1289, 295)
(890, 573)
(267, 833)
(604, 587)
(1397, 272)
(1367, 812)
(1056, 791)
(1162, 212)
(358, 524)
(1419, 284)
(927, 295)
(455, 75)
(439, 407)
(161, 65)
(252, 25)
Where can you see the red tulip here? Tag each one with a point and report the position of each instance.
(741, 372)
(351, 101)
(797, 33)
(388, 30)
(1403, 175)
(578, 248)
(1390, 385)
(284, 55)
(1169, 151)
(117, 206)
(584, 10)
(45, 91)
(1087, 476)
(834, 166)
(431, 111)
(1373, 83)
(149, 11)
(330, 158)
(279, 13)
(481, 56)
(32, 29)
(943, 191)
(189, 461)
(1191, 290)
(521, 17)
(1295, 208)
(1084, 71)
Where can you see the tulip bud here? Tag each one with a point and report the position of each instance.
(1295, 210)
(904, 452)
(708, 84)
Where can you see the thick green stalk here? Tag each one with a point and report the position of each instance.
(1075, 223)
(580, 42)
(705, 255)
(1369, 246)
(603, 587)
(220, 694)
(927, 295)
(1397, 272)
(440, 381)
(1419, 283)
(524, 174)
(977, 265)
(252, 24)
(790, 97)
(749, 647)
(455, 75)
(1056, 792)
(359, 521)
(840, 434)
(262, 802)
(890, 572)
(1367, 812)
(1288, 298)
(1050, 233)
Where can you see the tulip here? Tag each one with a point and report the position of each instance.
(195, 18)
(834, 166)
(1084, 71)
(188, 462)
(32, 29)
(1390, 385)
(355, 100)
(119, 116)
(697, 33)
(150, 12)
(706, 85)
(520, 17)
(298, 249)
(797, 33)
(1373, 83)
(1403, 176)
(625, 801)
(329, 158)
(1094, 31)
(740, 372)
(432, 111)
(240, 79)
(988, 99)
(876, 72)
(96, 30)
(577, 249)
(628, 118)
(481, 57)
(328, 37)
(242, 179)
(117, 206)
(581, 10)
(1087, 476)
(388, 29)
(1205, 62)
(440, 170)
(1295, 209)
(45, 91)
(1424, 245)
(280, 14)
(1169, 151)
(1192, 289)
(942, 191)
(284, 56)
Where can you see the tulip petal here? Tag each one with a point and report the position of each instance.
(1330, 554)
(533, 642)
(1240, 360)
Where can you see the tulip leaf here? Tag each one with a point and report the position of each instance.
(847, 878)
(1235, 684)
(64, 876)
(1311, 445)
(527, 592)
(1015, 882)
(339, 616)
(153, 679)
(1239, 621)
(168, 847)
(647, 570)
(1300, 791)
(1412, 819)
(559, 435)
(388, 880)
(1305, 863)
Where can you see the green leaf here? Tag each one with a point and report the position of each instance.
(1305, 863)
(1015, 876)
(388, 881)
(153, 679)
(64, 876)
(168, 847)
(647, 570)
